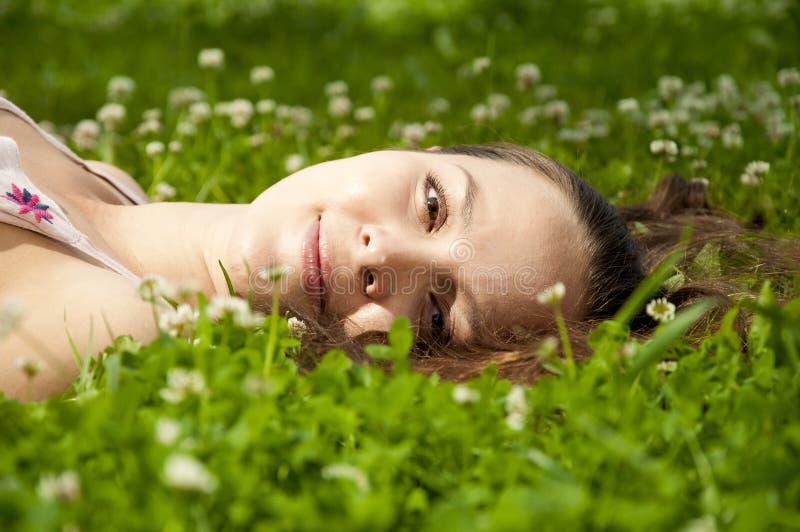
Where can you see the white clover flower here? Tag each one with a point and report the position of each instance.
(528, 75)
(464, 394)
(339, 106)
(432, 127)
(294, 162)
(85, 134)
(699, 164)
(664, 147)
(240, 111)
(498, 103)
(731, 136)
(256, 140)
(381, 84)
(184, 291)
(120, 88)
(547, 348)
(297, 327)
(659, 119)
(573, 136)
(152, 287)
(29, 367)
(151, 114)
(481, 113)
(749, 180)
(347, 472)
(414, 133)
(261, 74)
(544, 93)
(364, 114)
(325, 151)
(515, 421)
(336, 88)
(154, 149)
(661, 310)
(628, 350)
(628, 106)
(111, 115)
(179, 322)
(557, 110)
(186, 129)
(184, 472)
(167, 431)
(163, 191)
(517, 408)
(529, 116)
(345, 131)
(757, 168)
(11, 312)
(788, 77)
(667, 366)
(481, 65)
(199, 112)
(235, 308)
(552, 295)
(265, 107)
(65, 487)
(175, 146)
(211, 59)
(185, 96)
(669, 87)
(438, 106)
(148, 127)
(182, 383)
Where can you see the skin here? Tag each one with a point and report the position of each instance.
(450, 277)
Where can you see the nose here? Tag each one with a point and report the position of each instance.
(390, 263)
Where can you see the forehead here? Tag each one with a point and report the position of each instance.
(524, 236)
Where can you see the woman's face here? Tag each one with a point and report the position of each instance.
(448, 241)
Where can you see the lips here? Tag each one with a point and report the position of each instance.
(313, 264)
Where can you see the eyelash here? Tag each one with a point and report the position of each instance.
(439, 333)
(433, 182)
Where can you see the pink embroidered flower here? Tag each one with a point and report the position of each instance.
(29, 203)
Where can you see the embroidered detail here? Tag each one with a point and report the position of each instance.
(29, 203)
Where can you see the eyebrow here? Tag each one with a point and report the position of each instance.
(469, 198)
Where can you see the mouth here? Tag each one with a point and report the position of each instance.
(314, 261)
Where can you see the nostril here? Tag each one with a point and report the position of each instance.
(368, 279)
(366, 239)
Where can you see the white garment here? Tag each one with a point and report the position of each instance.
(22, 203)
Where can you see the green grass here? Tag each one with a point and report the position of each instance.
(658, 435)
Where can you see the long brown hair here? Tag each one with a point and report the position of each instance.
(623, 245)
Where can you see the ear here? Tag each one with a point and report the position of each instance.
(434, 148)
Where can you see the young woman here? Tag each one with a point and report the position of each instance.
(459, 240)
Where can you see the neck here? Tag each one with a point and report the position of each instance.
(178, 241)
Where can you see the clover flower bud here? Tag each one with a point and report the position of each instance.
(261, 74)
(552, 295)
(211, 59)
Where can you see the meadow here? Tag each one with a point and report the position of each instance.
(212, 426)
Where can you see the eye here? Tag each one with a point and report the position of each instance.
(435, 203)
(438, 331)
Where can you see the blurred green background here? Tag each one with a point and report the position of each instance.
(57, 55)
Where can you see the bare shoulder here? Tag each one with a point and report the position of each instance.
(63, 297)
